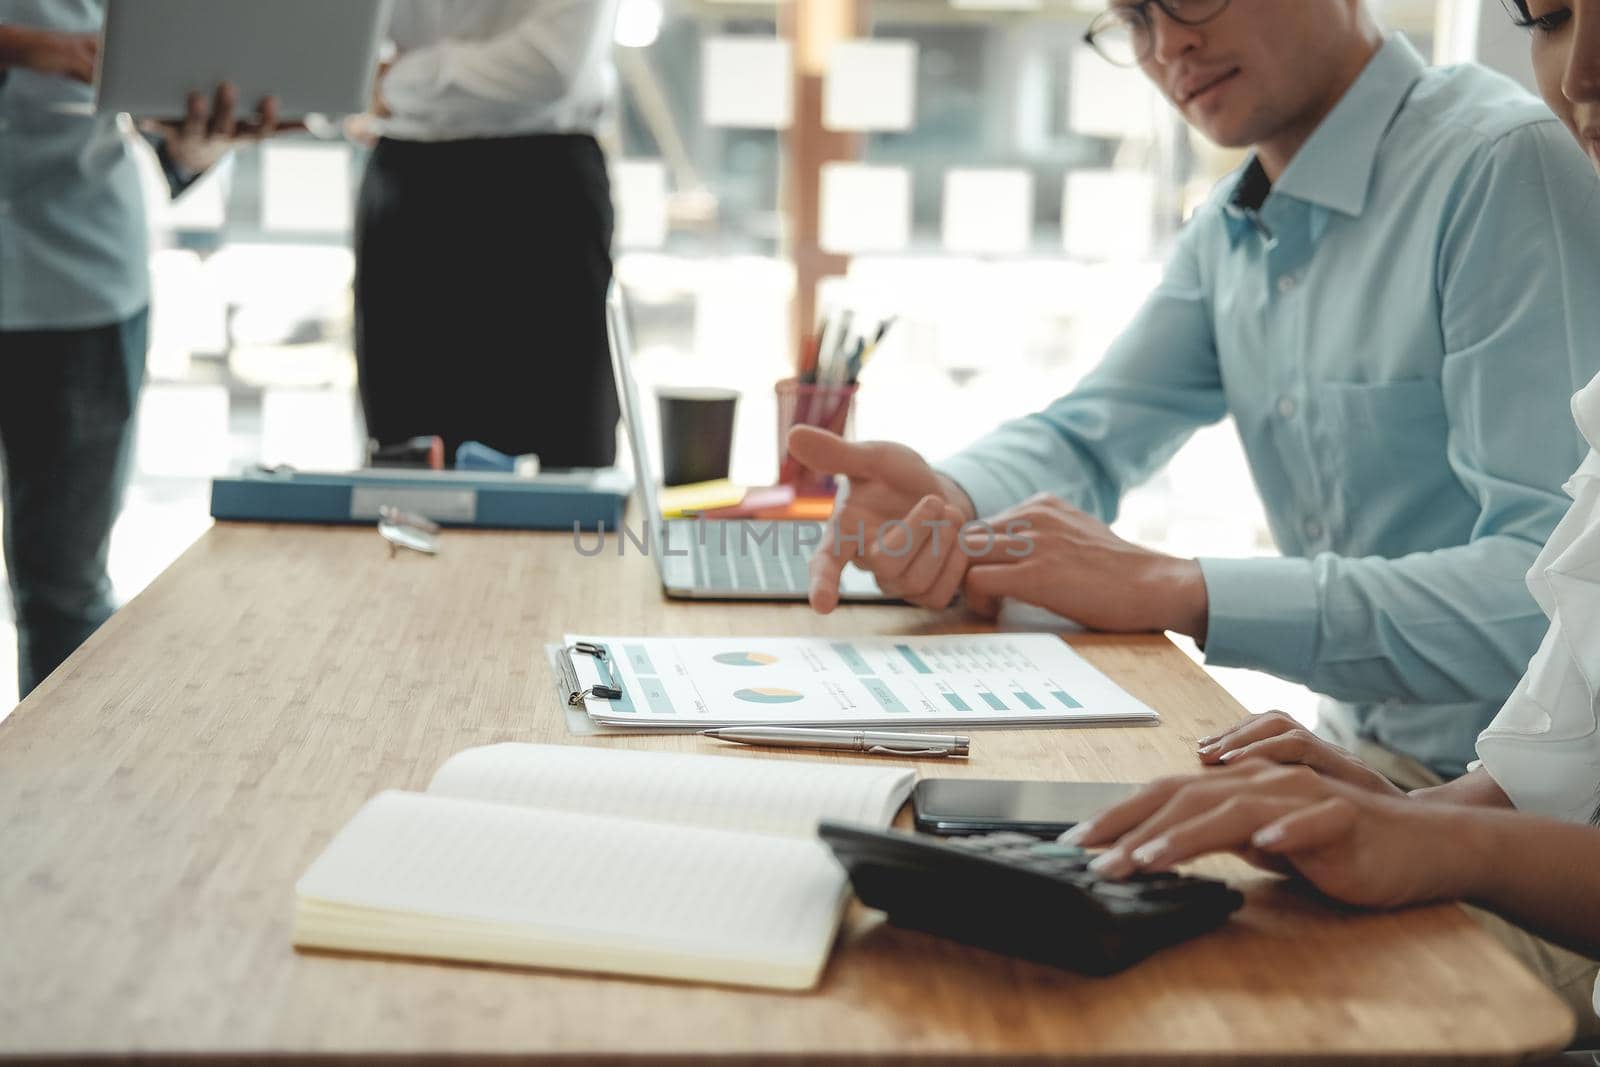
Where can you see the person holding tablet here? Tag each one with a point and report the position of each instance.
(1517, 835)
(74, 300)
(483, 232)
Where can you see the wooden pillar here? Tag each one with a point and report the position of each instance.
(812, 28)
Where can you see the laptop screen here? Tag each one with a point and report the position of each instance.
(632, 416)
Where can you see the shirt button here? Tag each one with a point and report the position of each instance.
(1313, 529)
(1286, 407)
(1287, 283)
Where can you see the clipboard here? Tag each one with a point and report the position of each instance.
(572, 693)
(609, 686)
(647, 684)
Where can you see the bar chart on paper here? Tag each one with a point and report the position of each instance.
(967, 680)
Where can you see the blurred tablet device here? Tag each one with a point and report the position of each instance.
(314, 55)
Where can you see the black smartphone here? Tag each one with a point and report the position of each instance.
(955, 806)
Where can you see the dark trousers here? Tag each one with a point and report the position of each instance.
(481, 276)
(67, 400)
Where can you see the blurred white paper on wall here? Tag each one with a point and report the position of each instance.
(1108, 214)
(741, 320)
(988, 212)
(865, 208)
(746, 83)
(246, 274)
(187, 314)
(870, 85)
(183, 430)
(311, 429)
(305, 188)
(1110, 101)
(640, 187)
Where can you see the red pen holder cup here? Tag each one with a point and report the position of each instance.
(799, 404)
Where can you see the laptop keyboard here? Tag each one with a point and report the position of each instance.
(741, 564)
(746, 575)
(713, 570)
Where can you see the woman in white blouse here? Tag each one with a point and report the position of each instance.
(1519, 835)
(483, 234)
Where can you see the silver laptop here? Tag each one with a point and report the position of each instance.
(710, 559)
(313, 55)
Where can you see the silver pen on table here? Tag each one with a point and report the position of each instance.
(871, 742)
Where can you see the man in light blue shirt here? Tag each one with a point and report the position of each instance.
(74, 299)
(1394, 300)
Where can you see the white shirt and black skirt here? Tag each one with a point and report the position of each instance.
(483, 232)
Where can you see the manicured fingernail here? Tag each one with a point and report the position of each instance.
(1226, 756)
(1151, 852)
(1077, 835)
(1209, 749)
(1209, 739)
(1113, 864)
(1267, 836)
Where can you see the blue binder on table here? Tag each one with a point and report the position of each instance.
(554, 501)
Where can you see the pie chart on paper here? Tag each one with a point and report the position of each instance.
(768, 696)
(745, 659)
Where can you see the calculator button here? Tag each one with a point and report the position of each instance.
(1120, 892)
(1053, 851)
(1062, 872)
(967, 844)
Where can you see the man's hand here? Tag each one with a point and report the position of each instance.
(898, 519)
(1276, 738)
(64, 55)
(362, 129)
(380, 106)
(1355, 846)
(210, 128)
(1048, 553)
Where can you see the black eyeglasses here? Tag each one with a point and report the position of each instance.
(1126, 35)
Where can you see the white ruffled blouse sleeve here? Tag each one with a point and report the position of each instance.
(1543, 748)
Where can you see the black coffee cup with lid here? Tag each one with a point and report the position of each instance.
(696, 433)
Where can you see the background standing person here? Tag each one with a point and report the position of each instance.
(483, 234)
(74, 312)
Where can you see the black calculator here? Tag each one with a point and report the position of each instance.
(1018, 895)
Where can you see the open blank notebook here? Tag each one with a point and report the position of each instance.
(701, 868)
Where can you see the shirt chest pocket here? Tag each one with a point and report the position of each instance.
(1384, 445)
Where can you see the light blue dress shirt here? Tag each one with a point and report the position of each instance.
(1396, 331)
(73, 238)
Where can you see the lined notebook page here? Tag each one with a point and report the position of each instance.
(416, 874)
(735, 791)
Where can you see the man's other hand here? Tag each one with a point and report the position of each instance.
(897, 518)
(209, 128)
(63, 55)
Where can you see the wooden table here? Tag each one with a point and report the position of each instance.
(160, 794)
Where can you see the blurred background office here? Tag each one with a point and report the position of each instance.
(967, 164)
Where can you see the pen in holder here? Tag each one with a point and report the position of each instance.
(821, 404)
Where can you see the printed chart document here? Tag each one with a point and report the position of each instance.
(966, 680)
(667, 865)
